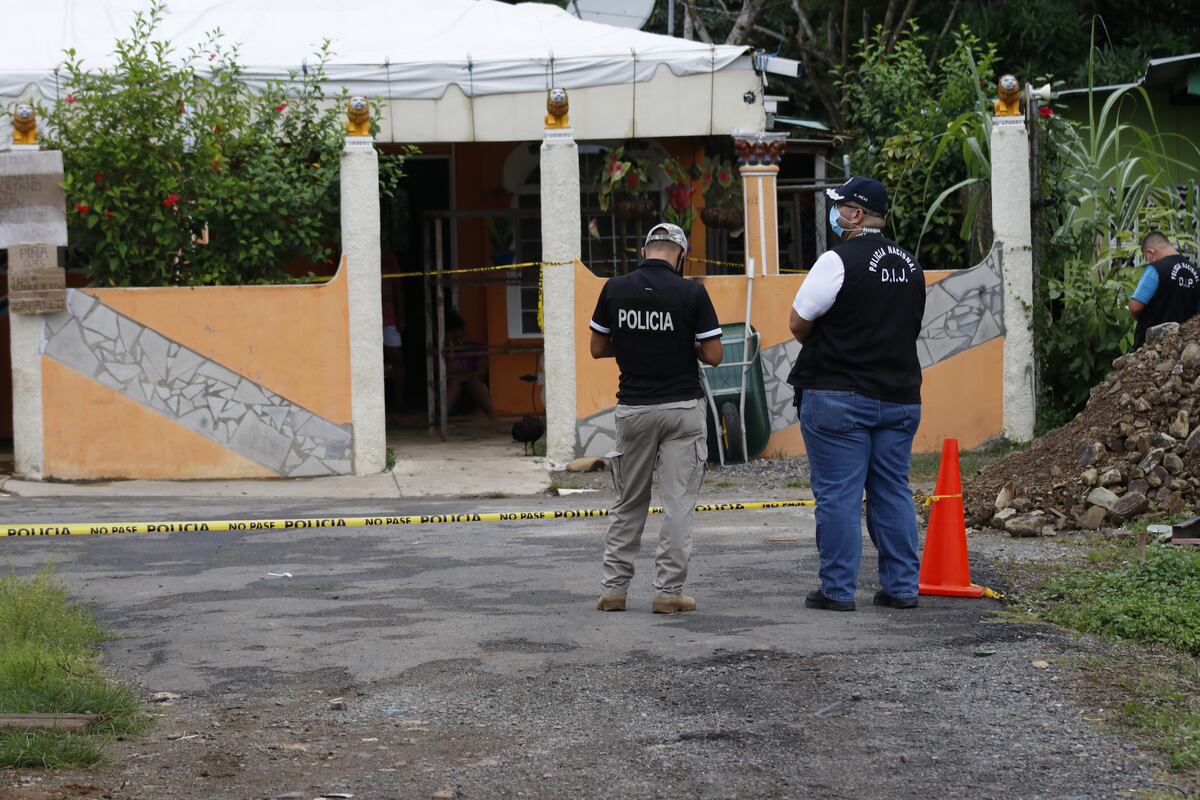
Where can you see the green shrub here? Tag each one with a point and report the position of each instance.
(1156, 602)
(923, 132)
(159, 150)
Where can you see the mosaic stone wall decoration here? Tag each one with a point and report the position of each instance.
(194, 391)
(963, 310)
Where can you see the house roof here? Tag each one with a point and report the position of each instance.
(1159, 72)
(402, 49)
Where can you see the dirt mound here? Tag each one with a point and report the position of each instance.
(1133, 450)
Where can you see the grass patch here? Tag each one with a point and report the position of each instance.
(1157, 602)
(1152, 688)
(798, 483)
(494, 495)
(1152, 695)
(925, 465)
(389, 459)
(49, 665)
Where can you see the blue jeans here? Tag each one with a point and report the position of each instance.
(856, 443)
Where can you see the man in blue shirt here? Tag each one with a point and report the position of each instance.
(1169, 290)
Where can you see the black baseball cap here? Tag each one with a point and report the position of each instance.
(867, 192)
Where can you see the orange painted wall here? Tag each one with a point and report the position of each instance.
(294, 340)
(134, 441)
(972, 417)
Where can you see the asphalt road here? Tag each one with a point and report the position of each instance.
(471, 662)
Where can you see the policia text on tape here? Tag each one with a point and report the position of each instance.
(213, 526)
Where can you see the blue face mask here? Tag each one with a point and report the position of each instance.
(835, 218)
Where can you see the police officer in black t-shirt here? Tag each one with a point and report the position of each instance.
(858, 384)
(1169, 289)
(656, 324)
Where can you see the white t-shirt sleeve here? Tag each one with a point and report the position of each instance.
(820, 287)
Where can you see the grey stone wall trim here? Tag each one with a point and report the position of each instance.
(963, 310)
(191, 389)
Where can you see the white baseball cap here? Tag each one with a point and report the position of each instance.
(666, 232)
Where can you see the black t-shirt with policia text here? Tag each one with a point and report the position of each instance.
(655, 317)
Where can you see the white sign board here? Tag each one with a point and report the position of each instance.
(32, 202)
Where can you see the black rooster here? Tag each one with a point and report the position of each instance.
(528, 430)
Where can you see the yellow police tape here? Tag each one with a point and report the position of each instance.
(102, 528)
(454, 271)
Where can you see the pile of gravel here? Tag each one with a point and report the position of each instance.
(1134, 450)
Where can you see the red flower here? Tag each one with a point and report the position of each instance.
(108, 214)
(171, 200)
(82, 208)
(680, 196)
(724, 177)
(281, 107)
(1046, 111)
(632, 180)
(100, 177)
(71, 99)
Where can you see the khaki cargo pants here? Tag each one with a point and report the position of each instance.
(674, 439)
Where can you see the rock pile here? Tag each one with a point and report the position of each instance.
(1133, 450)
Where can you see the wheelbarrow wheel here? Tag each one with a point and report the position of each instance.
(731, 433)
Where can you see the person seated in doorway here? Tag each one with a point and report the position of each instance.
(466, 370)
(393, 323)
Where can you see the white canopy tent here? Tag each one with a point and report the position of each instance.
(451, 70)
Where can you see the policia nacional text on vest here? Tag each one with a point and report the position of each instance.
(1176, 298)
(865, 342)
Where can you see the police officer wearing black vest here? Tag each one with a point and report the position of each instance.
(858, 388)
(1168, 291)
(656, 324)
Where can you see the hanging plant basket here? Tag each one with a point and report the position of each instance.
(724, 217)
(630, 209)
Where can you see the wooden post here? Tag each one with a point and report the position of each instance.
(443, 412)
(426, 302)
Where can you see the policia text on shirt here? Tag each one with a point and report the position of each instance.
(656, 324)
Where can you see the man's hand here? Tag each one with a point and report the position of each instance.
(710, 351)
(602, 346)
(800, 327)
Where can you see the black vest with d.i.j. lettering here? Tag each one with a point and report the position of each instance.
(867, 341)
(1176, 298)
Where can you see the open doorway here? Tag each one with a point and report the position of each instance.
(426, 186)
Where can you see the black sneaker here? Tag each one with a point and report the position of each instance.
(882, 598)
(817, 599)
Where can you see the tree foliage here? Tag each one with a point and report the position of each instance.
(161, 152)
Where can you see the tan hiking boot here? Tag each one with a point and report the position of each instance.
(672, 603)
(611, 602)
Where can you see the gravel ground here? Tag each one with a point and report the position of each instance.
(466, 661)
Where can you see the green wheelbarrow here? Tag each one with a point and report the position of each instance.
(739, 424)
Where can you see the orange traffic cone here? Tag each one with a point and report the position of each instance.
(944, 568)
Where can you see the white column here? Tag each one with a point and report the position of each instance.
(561, 231)
(25, 339)
(360, 245)
(1013, 229)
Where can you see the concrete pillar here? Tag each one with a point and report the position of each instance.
(1013, 230)
(360, 245)
(759, 155)
(25, 330)
(561, 241)
(25, 340)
